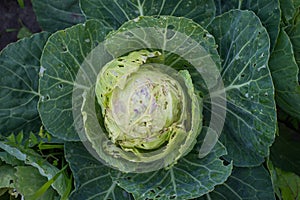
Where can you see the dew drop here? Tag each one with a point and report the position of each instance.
(209, 35)
(41, 72)
(262, 67)
(262, 55)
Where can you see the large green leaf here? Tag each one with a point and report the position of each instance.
(92, 178)
(19, 66)
(54, 15)
(286, 184)
(29, 181)
(30, 157)
(286, 150)
(285, 71)
(267, 10)
(61, 59)
(115, 13)
(191, 177)
(251, 116)
(26, 180)
(244, 183)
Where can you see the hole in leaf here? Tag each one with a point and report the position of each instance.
(173, 135)
(64, 48)
(128, 34)
(120, 65)
(152, 191)
(225, 162)
(242, 75)
(60, 86)
(47, 97)
(170, 33)
(173, 196)
(165, 105)
(170, 27)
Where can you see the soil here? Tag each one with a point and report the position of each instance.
(13, 18)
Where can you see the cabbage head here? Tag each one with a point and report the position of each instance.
(151, 113)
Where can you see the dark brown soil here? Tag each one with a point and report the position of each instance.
(13, 17)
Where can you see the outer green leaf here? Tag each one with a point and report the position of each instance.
(191, 177)
(286, 150)
(244, 183)
(115, 13)
(284, 71)
(267, 10)
(56, 15)
(29, 180)
(179, 35)
(26, 180)
(19, 66)
(286, 184)
(92, 178)
(62, 56)
(251, 117)
(30, 157)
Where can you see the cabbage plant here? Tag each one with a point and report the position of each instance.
(152, 100)
(146, 107)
